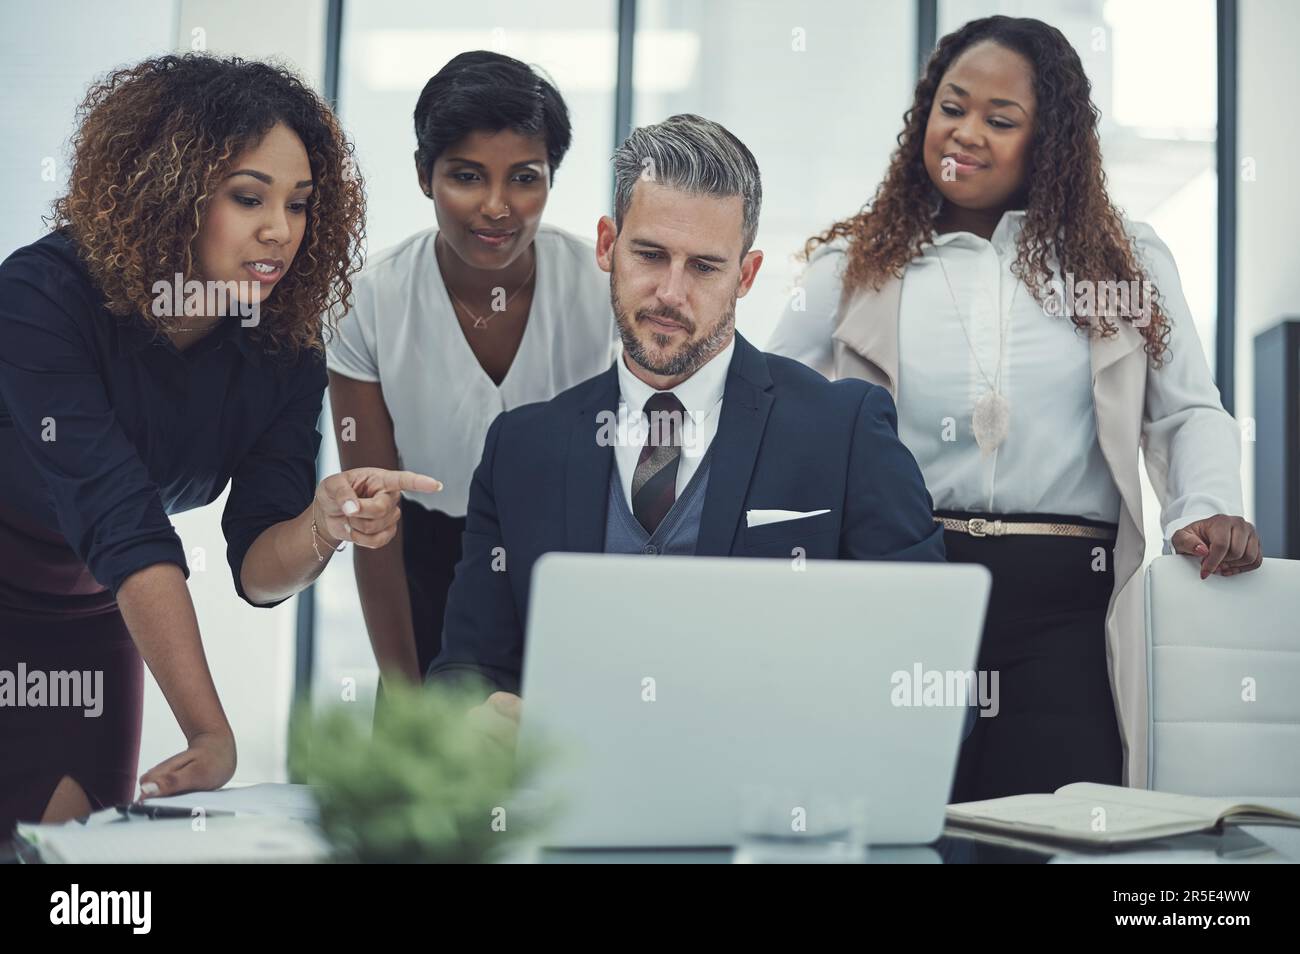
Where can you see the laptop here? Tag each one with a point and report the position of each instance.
(680, 698)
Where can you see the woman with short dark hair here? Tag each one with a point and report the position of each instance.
(489, 310)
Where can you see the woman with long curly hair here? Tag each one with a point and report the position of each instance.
(164, 340)
(1033, 339)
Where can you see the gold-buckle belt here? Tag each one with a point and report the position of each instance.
(981, 527)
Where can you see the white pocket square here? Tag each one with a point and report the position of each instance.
(757, 518)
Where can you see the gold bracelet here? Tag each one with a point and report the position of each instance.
(315, 546)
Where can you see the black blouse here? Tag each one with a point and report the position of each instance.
(105, 428)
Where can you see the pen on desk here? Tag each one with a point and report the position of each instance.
(167, 811)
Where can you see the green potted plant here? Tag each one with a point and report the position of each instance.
(422, 785)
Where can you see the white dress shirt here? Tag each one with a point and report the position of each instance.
(1050, 461)
(403, 333)
(701, 396)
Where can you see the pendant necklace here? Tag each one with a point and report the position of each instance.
(991, 419)
(481, 321)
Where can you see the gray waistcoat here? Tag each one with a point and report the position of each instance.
(676, 533)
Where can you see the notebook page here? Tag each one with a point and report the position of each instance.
(1207, 809)
(1072, 815)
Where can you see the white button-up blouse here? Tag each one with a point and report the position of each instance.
(981, 327)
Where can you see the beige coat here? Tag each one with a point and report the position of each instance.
(865, 345)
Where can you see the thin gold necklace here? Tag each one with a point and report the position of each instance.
(481, 321)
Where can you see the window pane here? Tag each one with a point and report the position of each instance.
(392, 47)
(815, 90)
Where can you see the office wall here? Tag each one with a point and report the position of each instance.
(45, 68)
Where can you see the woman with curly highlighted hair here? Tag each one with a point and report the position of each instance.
(163, 341)
(1033, 339)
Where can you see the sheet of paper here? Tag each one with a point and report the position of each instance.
(176, 841)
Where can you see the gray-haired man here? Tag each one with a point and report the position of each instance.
(730, 430)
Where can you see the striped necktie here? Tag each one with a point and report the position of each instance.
(654, 482)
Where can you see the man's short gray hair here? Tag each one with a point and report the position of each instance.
(695, 155)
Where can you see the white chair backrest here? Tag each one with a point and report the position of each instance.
(1223, 660)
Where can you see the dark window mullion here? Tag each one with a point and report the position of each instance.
(1225, 146)
(623, 92)
(927, 32)
(304, 660)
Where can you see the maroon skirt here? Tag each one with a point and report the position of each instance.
(71, 679)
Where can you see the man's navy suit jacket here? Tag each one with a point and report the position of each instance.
(788, 439)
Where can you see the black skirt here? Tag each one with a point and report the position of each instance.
(1045, 637)
(431, 549)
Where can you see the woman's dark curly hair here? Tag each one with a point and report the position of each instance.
(1068, 215)
(154, 142)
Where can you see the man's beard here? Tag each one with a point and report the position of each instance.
(690, 358)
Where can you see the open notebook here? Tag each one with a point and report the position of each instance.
(1105, 816)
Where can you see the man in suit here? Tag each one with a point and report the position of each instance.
(677, 448)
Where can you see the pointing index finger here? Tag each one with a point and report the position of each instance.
(409, 481)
